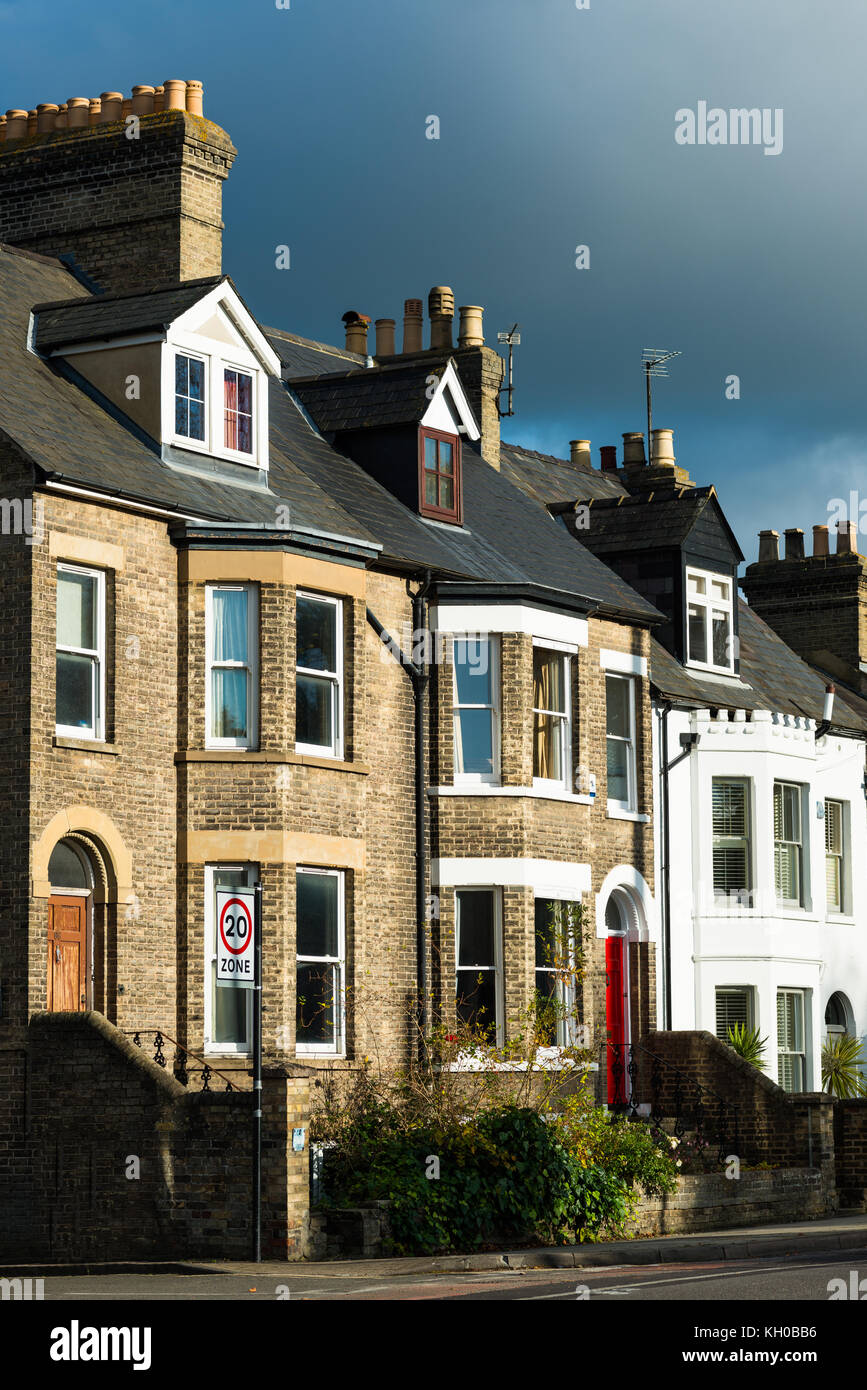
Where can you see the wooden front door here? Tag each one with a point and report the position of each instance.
(67, 954)
(615, 1017)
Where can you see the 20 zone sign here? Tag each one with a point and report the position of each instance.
(235, 945)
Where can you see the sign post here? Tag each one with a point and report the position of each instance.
(239, 966)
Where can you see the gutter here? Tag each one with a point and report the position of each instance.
(420, 677)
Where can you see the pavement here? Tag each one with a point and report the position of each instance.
(824, 1235)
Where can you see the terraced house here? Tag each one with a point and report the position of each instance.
(282, 612)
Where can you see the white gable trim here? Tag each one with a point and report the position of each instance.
(439, 417)
(223, 298)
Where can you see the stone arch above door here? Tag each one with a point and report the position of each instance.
(106, 846)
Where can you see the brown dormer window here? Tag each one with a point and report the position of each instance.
(439, 480)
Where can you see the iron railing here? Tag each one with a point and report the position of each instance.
(633, 1078)
(180, 1070)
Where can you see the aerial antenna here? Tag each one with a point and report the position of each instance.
(653, 359)
(513, 338)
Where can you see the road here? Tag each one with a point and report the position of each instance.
(804, 1278)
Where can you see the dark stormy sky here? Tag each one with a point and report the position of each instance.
(557, 129)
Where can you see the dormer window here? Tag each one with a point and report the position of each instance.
(189, 397)
(709, 625)
(440, 475)
(238, 417)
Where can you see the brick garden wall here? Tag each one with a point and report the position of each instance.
(710, 1201)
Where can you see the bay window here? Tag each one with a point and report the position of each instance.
(320, 961)
(620, 742)
(228, 1006)
(552, 723)
(555, 971)
(231, 694)
(788, 845)
(80, 653)
(319, 675)
(730, 811)
(834, 866)
(478, 962)
(791, 1054)
(475, 709)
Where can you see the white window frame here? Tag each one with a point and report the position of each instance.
(723, 841)
(615, 805)
(244, 1049)
(226, 365)
(184, 440)
(750, 994)
(792, 904)
(565, 720)
(96, 733)
(709, 604)
(492, 778)
(336, 678)
(565, 992)
(338, 1048)
(840, 855)
(801, 1052)
(251, 666)
(496, 964)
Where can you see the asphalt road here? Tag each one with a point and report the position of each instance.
(799, 1278)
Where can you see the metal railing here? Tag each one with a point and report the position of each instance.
(633, 1078)
(180, 1070)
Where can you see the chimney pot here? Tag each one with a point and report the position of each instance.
(142, 101)
(412, 325)
(441, 309)
(470, 333)
(356, 332)
(16, 124)
(126, 108)
(77, 113)
(794, 543)
(159, 99)
(847, 543)
(820, 540)
(633, 447)
(579, 453)
(175, 94)
(384, 337)
(45, 117)
(769, 547)
(112, 107)
(662, 447)
(2, 130)
(95, 117)
(31, 122)
(608, 458)
(195, 96)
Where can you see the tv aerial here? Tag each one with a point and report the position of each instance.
(653, 361)
(513, 338)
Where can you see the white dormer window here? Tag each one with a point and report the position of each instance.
(709, 622)
(216, 365)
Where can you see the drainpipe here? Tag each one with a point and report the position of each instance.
(419, 675)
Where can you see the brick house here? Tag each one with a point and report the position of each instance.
(284, 612)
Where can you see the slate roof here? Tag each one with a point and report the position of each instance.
(71, 433)
(551, 480)
(645, 520)
(776, 676)
(370, 398)
(77, 320)
(304, 357)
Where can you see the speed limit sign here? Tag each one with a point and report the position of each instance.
(235, 938)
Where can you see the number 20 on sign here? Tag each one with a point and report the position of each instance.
(235, 932)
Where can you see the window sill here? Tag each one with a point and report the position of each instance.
(485, 789)
(545, 1060)
(86, 745)
(238, 755)
(616, 812)
(832, 918)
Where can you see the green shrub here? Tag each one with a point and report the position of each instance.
(747, 1043)
(841, 1062)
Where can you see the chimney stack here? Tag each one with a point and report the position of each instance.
(820, 540)
(769, 547)
(356, 332)
(413, 318)
(608, 458)
(847, 541)
(794, 543)
(471, 333)
(128, 223)
(579, 453)
(441, 310)
(384, 337)
(633, 448)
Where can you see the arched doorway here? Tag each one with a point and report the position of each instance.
(70, 928)
(617, 999)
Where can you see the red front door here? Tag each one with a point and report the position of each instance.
(615, 1017)
(67, 954)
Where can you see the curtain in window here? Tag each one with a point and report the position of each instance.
(229, 683)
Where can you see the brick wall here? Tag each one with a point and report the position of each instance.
(850, 1144)
(97, 1103)
(818, 605)
(711, 1201)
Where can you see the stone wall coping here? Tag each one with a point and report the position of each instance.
(98, 1023)
(736, 1063)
